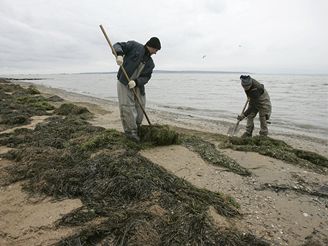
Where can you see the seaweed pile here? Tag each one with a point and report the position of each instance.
(280, 150)
(133, 201)
(72, 109)
(211, 154)
(159, 135)
(18, 105)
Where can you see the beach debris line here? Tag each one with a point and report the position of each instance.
(211, 154)
(299, 188)
(280, 150)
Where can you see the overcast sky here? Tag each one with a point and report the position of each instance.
(261, 36)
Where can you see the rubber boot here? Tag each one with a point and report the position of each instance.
(264, 126)
(133, 136)
(246, 135)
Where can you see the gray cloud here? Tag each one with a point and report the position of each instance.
(39, 36)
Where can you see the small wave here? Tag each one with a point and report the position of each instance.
(177, 107)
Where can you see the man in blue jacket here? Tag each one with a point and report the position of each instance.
(259, 102)
(137, 62)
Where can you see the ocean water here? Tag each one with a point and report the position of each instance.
(299, 102)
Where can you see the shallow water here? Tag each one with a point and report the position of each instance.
(300, 102)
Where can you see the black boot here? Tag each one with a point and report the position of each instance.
(133, 136)
(246, 135)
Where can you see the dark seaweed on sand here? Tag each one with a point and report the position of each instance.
(139, 202)
(211, 154)
(279, 150)
(18, 105)
(159, 135)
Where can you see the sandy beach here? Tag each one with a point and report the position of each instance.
(273, 200)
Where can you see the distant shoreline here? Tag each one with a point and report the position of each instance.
(177, 72)
(214, 72)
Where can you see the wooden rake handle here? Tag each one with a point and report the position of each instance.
(236, 126)
(125, 73)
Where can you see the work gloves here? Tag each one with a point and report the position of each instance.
(241, 117)
(132, 84)
(119, 60)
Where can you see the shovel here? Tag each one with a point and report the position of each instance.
(233, 129)
(125, 73)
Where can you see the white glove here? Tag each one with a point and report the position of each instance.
(132, 84)
(119, 60)
(241, 117)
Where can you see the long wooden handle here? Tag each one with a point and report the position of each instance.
(245, 106)
(236, 126)
(125, 73)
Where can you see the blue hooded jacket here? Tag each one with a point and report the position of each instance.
(134, 53)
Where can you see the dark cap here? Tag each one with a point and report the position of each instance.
(154, 43)
(245, 80)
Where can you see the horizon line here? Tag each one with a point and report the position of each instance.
(213, 71)
(185, 71)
